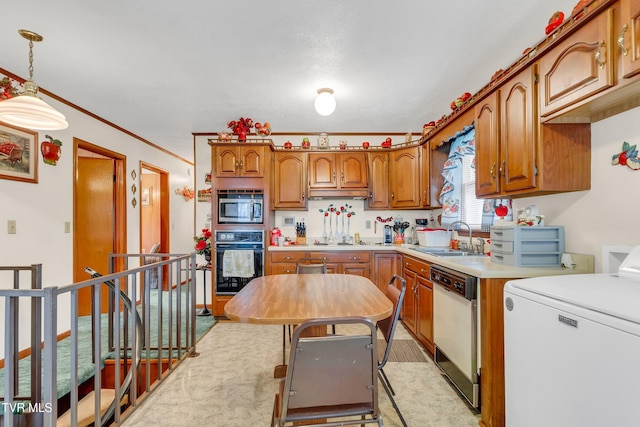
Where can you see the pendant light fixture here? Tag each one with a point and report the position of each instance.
(325, 102)
(27, 110)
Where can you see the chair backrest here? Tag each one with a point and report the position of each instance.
(388, 326)
(333, 375)
(154, 250)
(311, 266)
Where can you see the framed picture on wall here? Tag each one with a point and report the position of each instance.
(145, 196)
(18, 154)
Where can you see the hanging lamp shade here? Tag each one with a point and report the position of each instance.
(325, 102)
(27, 110)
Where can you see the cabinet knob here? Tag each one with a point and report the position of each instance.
(492, 172)
(393, 195)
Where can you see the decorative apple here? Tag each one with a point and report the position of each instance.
(51, 150)
(386, 143)
(430, 124)
(502, 211)
(306, 143)
(288, 145)
(465, 96)
(554, 22)
(365, 144)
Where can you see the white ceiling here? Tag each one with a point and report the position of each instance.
(166, 69)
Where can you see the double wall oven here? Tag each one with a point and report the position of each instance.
(239, 258)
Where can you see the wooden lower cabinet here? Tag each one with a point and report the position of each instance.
(282, 262)
(492, 396)
(338, 262)
(424, 315)
(385, 265)
(417, 309)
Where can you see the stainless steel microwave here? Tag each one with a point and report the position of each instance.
(240, 206)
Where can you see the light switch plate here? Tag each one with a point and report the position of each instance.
(11, 226)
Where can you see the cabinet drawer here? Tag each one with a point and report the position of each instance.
(524, 233)
(527, 260)
(286, 256)
(502, 246)
(346, 256)
(283, 268)
(417, 266)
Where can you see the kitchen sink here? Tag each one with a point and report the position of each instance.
(446, 252)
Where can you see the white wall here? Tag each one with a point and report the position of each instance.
(40, 210)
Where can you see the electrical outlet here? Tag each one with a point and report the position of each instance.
(367, 224)
(11, 226)
(67, 227)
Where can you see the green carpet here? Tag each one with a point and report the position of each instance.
(85, 362)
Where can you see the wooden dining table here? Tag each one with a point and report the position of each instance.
(290, 299)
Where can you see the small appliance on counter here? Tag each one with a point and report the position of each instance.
(388, 235)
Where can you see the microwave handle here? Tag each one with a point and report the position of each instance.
(251, 211)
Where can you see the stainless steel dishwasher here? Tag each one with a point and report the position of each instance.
(455, 330)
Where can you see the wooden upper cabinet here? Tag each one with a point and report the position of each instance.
(404, 179)
(629, 37)
(378, 197)
(246, 161)
(289, 186)
(578, 67)
(425, 158)
(518, 132)
(338, 174)
(337, 170)
(487, 146)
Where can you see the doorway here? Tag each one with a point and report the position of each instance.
(99, 211)
(154, 212)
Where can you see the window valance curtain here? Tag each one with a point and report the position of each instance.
(462, 144)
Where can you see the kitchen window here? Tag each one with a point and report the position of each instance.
(470, 207)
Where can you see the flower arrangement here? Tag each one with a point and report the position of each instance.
(203, 242)
(8, 88)
(241, 127)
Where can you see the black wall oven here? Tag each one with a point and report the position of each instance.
(239, 258)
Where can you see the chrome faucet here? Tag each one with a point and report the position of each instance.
(468, 227)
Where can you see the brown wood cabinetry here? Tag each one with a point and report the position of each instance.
(346, 262)
(516, 156)
(245, 161)
(337, 174)
(289, 180)
(417, 309)
(385, 265)
(629, 37)
(424, 315)
(283, 262)
(578, 67)
(425, 196)
(378, 197)
(404, 177)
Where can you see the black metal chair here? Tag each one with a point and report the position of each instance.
(388, 327)
(331, 380)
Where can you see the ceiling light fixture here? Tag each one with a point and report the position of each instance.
(27, 110)
(325, 102)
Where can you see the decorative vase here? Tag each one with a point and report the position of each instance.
(323, 140)
(242, 136)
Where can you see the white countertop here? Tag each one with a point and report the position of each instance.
(478, 266)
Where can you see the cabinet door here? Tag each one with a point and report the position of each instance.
(322, 170)
(227, 162)
(359, 269)
(517, 139)
(405, 178)
(378, 180)
(353, 170)
(385, 265)
(424, 325)
(252, 161)
(579, 67)
(487, 146)
(409, 304)
(290, 181)
(629, 37)
(425, 181)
